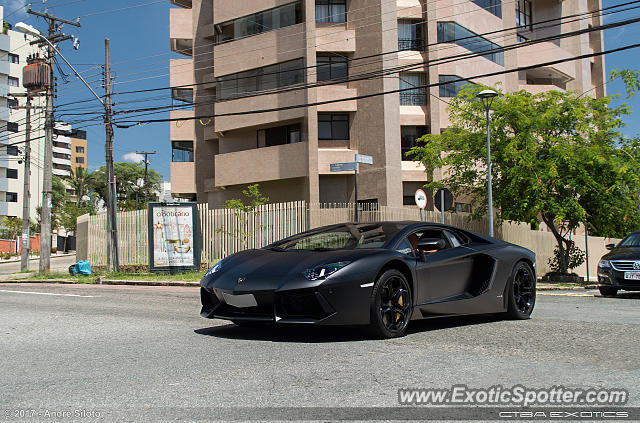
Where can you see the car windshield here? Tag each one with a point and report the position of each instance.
(347, 236)
(632, 240)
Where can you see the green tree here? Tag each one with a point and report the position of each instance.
(557, 157)
(80, 182)
(11, 227)
(130, 192)
(245, 212)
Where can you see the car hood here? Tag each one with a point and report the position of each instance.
(271, 270)
(623, 253)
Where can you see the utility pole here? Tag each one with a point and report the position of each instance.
(53, 36)
(113, 262)
(146, 154)
(26, 195)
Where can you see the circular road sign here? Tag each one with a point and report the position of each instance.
(448, 199)
(421, 199)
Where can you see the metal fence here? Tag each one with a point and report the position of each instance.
(225, 232)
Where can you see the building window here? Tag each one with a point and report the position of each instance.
(333, 127)
(183, 95)
(279, 135)
(257, 23)
(13, 82)
(410, 35)
(523, 14)
(12, 197)
(408, 137)
(331, 10)
(452, 32)
(491, 6)
(13, 103)
(79, 149)
(12, 127)
(260, 79)
(463, 208)
(80, 160)
(182, 151)
(59, 166)
(449, 88)
(332, 67)
(415, 93)
(12, 173)
(12, 150)
(62, 156)
(14, 58)
(60, 144)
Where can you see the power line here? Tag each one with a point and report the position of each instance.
(363, 96)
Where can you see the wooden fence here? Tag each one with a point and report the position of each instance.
(225, 232)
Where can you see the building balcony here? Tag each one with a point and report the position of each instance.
(335, 38)
(182, 130)
(183, 178)
(4, 184)
(534, 54)
(181, 31)
(181, 72)
(413, 99)
(4, 114)
(537, 89)
(10, 209)
(259, 102)
(5, 67)
(244, 167)
(182, 3)
(5, 44)
(336, 92)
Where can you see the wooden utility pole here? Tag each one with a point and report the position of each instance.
(146, 154)
(45, 219)
(113, 262)
(26, 195)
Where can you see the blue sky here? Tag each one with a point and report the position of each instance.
(138, 33)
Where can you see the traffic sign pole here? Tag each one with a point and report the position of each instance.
(355, 191)
(442, 202)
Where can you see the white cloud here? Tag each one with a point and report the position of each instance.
(134, 157)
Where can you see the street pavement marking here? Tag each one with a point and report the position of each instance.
(48, 293)
(565, 295)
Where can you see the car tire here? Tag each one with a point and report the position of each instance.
(522, 292)
(391, 305)
(607, 291)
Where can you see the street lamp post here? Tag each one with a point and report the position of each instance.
(487, 96)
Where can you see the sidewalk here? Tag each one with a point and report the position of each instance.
(36, 258)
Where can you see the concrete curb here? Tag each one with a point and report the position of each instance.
(105, 282)
(550, 287)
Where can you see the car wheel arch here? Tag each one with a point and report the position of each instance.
(401, 267)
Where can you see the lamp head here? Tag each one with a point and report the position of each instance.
(27, 29)
(487, 94)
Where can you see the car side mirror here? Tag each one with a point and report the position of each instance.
(610, 246)
(431, 244)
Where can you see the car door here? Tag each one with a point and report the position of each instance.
(444, 275)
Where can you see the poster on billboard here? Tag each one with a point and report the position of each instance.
(174, 237)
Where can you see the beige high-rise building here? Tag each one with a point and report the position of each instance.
(234, 50)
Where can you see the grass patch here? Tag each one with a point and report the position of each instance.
(125, 276)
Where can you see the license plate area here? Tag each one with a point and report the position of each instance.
(632, 276)
(243, 300)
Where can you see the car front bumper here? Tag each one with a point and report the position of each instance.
(611, 278)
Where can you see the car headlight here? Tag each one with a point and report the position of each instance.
(324, 271)
(604, 264)
(215, 268)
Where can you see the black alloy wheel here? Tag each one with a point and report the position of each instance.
(391, 305)
(522, 292)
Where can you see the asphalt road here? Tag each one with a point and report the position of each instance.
(58, 264)
(144, 354)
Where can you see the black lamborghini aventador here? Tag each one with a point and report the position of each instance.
(378, 274)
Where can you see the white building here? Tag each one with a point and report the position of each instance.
(62, 149)
(14, 49)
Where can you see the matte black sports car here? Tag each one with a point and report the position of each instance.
(620, 268)
(378, 274)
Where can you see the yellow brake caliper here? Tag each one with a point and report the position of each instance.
(399, 303)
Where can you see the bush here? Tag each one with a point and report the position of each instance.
(54, 250)
(575, 258)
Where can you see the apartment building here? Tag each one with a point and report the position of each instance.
(15, 48)
(79, 149)
(238, 53)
